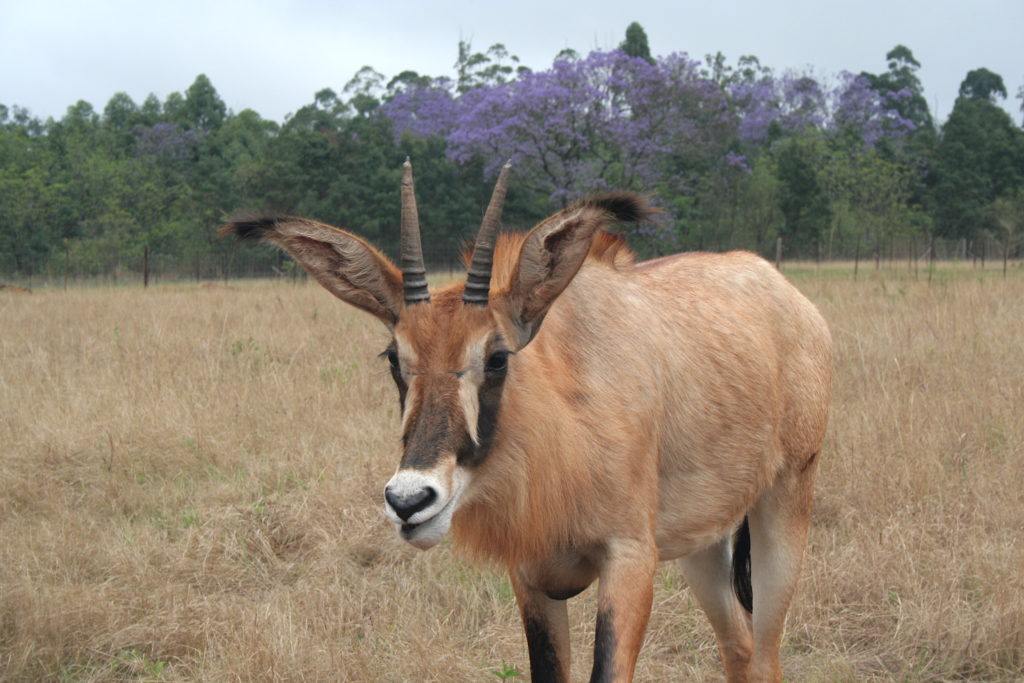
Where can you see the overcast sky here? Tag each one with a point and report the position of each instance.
(273, 56)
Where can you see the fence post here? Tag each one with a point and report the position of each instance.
(931, 257)
(856, 258)
(145, 266)
(778, 253)
(1006, 252)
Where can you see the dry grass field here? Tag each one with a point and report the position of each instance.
(191, 477)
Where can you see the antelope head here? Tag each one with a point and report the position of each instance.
(452, 350)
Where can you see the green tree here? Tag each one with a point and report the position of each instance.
(979, 159)
(477, 69)
(119, 114)
(365, 90)
(30, 212)
(748, 70)
(150, 111)
(405, 80)
(870, 195)
(174, 108)
(982, 84)
(567, 54)
(119, 117)
(717, 69)
(1020, 96)
(202, 107)
(326, 112)
(635, 44)
(1008, 214)
(803, 201)
(902, 78)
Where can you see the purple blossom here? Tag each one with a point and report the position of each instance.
(797, 102)
(859, 110)
(609, 120)
(737, 162)
(793, 102)
(614, 121)
(166, 140)
(423, 111)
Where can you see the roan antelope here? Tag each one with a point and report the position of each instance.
(576, 415)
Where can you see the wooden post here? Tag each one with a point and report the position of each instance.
(67, 264)
(145, 266)
(856, 258)
(931, 257)
(1006, 252)
(778, 253)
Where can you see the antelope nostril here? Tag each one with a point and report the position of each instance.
(407, 506)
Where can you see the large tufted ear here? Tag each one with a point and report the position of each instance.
(347, 266)
(553, 252)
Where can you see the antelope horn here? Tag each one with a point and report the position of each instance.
(414, 273)
(478, 279)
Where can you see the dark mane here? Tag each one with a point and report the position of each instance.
(607, 248)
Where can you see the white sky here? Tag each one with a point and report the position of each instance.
(273, 56)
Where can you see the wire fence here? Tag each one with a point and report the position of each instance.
(911, 254)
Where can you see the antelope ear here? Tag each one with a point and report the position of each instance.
(553, 252)
(347, 266)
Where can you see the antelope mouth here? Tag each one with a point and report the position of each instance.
(429, 532)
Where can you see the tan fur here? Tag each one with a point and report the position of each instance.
(750, 382)
(649, 408)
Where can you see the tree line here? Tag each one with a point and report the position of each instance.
(735, 154)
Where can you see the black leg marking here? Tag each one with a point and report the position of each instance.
(544, 665)
(604, 648)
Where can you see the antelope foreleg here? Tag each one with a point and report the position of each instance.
(546, 623)
(623, 608)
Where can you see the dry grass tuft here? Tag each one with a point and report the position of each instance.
(190, 488)
(14, 289)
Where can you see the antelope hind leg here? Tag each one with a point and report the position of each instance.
(778, 534)
(708, 572)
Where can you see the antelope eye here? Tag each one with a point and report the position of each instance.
(497, 362)
(392, 357)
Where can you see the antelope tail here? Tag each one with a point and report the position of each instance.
(741, 567)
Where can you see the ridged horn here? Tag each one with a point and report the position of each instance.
(478, 279)
(414, 273)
